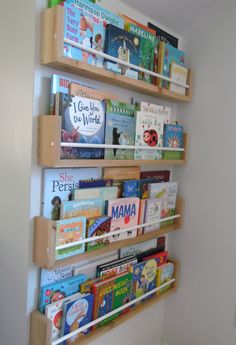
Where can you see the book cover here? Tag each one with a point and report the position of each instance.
(54, 292)
(164, 274)
(152, 214)
(69, 231)
(159, 175)
(160, 258)
(116, 267)
(173, 137)
(149, 133)
(156, 109)
(124, 46)
(48, 277)
(85, 23)
(140, 25)
(78, 90)
(58, 185)
(83, 121)
(120, 128)
(76, 313)
(111, 294)
(98, 226)
(124, 213)
(87, 208)
(137, 248)
(164, 36)
(180, 74)
(131, 189)
(143, 187)
(95, 183)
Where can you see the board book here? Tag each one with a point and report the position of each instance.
(98, 226)
(78, 90)
(67, 232)
(156, 109)
(131, 188)
(152, 214)
(179, 74)
(173, 138)
(120, 128)
(58, 185)
(164, 274)
(87, 208)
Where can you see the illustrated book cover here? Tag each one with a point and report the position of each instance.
(155, 109)
(98, 226)
(78, 90)
(152, 214)
(173, 137)
(165, 273)
(137, 248)
(77, 208)
(180, 74)
(160, 258)
(116, 267)
(95, 183)
(131, 188)
(159, 175)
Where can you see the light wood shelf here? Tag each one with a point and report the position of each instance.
(52, 55)
(41, 326)
(49, 139)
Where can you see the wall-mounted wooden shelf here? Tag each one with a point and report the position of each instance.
(41, 326)
(49, 140)
(52, 55)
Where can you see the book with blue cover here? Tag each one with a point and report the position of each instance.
(131, 188)
(55, 292)
(83, 121)
(124, 46)
(77, 208)
(120, 129)
(173, 137)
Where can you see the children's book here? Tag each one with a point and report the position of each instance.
(164, 274)
(98, 226)
(179, 74)
(85, 23)
(152, 214)
(137, 248)
(129, 20)
(87, 208)
(103, 193)
(83, 121)
(156, 109)
(160, 258)
(78, 90)
(120, 128)
(76, 313)
(48, 277)
(149, 133)
(95, 183)
(141, 217)
(124, 46)
(143, 187)
(54, 292)
(124, 213)
(160, 176)
(111, 294)
(168, 54)
(173, 137)
(58, 185)
(69, 231)
(116, 267)
(164, 36)
(131, 188)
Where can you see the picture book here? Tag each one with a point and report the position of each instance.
(69, 231)
(124, 46)
(85, 23)
(120, 128)
(111, 294)
(58, 185)
(168, 54)
(98, 226)
(87, 208)
(129, 20)
(180, 74)
(143, 187)
(116, 267)
(173, 137)
(159, 175)
(56, 291)
(156, 109)
(95, 183)
(152, 214)
(164, 36)
(78, 90)
(48, 277)
(124, 214)
(83, 121)
(137, 248)
(149, 133)
(160, 258)
(167, 193)
(148, 42)
(103, 193)
(131, 188)
(143, 278)
(164, 274)
(76, 313)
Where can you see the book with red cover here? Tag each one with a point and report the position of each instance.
(160, 175)
(161, 258)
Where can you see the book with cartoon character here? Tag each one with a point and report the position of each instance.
(120, 129)
(98, 226)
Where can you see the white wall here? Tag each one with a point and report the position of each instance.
(202, 312)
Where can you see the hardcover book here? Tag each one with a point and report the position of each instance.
(152, 214)
(173, 137)
(164, 36)
(78, 90)
(160, 258)
(129, 20)
(156, 109)
(164, 274)
(98, 226)
(180, 74)
(116, 267)
(48, 277)
(54, 292)
(111, 294)
(69, 231)
(58, 185)
(124, 214)
(159, 175)
(83, 121)
(149, 133)
(124, 46)
(120, 128)
(137, 248)
(95, 183)
(87, 208)
(131, 188)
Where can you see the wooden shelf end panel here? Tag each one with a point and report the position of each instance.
(40, 329)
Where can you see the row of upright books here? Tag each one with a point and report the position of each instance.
(92, 116)
(124, 38)
(73, 296)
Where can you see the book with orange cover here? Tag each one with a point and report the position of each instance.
(83, 91)
(144, 27)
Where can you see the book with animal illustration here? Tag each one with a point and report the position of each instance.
(124, 214)
(120, 128)
(67, 232)
(58, 185)
(173, 137)
(83, 121)
(152, 214)
(155, 109)
(77, 208)
(149, 133)
(76, 89)
(85, 23)
(98, 226)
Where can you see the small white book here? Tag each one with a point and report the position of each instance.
(179, 74)
(152, 214)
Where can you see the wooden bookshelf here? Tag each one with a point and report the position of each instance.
(49, 139)
(45, 241)
(52, 55)
(41, 326)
